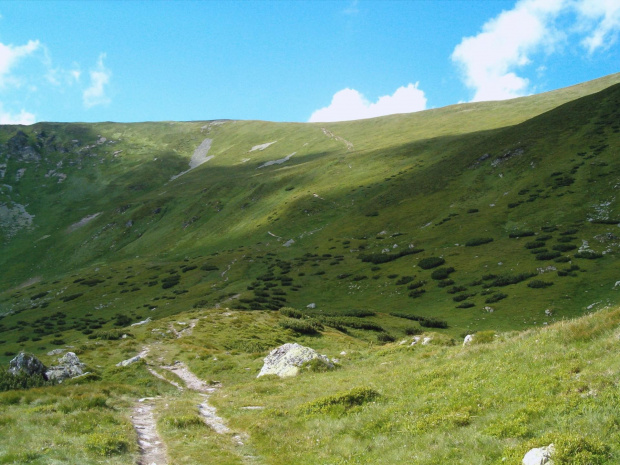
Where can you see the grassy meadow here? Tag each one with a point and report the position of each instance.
(498, 219)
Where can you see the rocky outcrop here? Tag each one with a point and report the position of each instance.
(287, 360)
(69, 366)
(28, 364)
(129, 361)
(539, 456)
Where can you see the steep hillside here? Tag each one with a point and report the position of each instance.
(498, 215)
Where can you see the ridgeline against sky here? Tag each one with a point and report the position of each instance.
(291, 61)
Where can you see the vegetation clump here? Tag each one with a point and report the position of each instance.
(341, 402)
(431, 262)
(478, 241)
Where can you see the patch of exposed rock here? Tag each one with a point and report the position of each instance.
(69, 366)
(27, 363)
(539, 456)
(286, 360)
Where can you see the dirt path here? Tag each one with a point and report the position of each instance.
(207, 411)
(152, 448)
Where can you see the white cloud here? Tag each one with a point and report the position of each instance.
(99, 79)
(603, 18)
(10, 54)
(505, 43)
(22, 117)
(352, 9)
(490, 60)
(349, 104)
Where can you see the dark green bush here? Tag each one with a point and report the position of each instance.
(518, 234)
(456, 289)
(466, 305)
(340, 402)
(379, 258)
(309, 326)
(416, 285)
(539, 284)
(547, 255)
(431, 262)
(433, 323)
(442, 273)
(291, 313)
(534, 244)
(209, 267)
(473, 210)
(564, 247)
(417, 293)
(506, 280)
(385, 338)
(461, 297)
(478, 241)
(39, 295)
(496, 298)
(445, 282)
(170, 281)
(71, 297)
(21, 380)
(405, 280)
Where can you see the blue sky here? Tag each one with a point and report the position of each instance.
(295, 60)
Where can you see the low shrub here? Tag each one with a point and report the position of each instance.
(466, 305)
(416, 285)
(291, 313)
(433, 323)
(309, 326)
(445, 283)
(547, 255)
(442, 273)
(539, 284)
(506, 280)
(478, 241)
(564, 247)
(209, 267)
(431, 262)
(518, 234)
(341, 402)
(21, 380)
(417, 293)
(455, 289)
(484, 337)
(385, 338)
(496, 298)
(379, 258)
(71, 297)
(534, 244)
(405, 280)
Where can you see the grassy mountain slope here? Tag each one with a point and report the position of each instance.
(487, 403)
(348, 220)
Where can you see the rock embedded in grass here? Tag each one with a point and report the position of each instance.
(287, 360)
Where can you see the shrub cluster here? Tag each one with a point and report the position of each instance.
(378, 258)
(424, 321)
(478, 241)
(309, 326)
(442, 273)
(431, 262)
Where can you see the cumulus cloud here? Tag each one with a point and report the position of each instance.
(349, 104)
(506, 42)
(10, 54)
(602, 18)
(22, 117)
(490, 60)
(95, 94)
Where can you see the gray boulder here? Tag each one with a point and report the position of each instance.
(129, 361)
(69, 367)
(287, 359)
(539, 456)
(27, 363)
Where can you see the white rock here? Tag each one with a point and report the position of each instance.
(468, 339)
(427, 340)
(143, 322)
(285, 361)
(129, 361)
(312, 305)
(539, 456)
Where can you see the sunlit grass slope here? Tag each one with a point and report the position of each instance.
(498, 215)
(485, 403)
